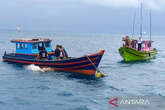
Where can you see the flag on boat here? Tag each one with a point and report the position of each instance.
(145, 32)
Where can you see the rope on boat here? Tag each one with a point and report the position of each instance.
(99, 74)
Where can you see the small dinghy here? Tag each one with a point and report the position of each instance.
(27, 53)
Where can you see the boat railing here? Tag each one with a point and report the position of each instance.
(9, 54)
(142, 49)
(146, 46)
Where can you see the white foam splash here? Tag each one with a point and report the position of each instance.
(37, 68)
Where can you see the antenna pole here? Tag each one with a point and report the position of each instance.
(133, 30)
(150, 25)
(141, 19)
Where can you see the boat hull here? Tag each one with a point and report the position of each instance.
(130, 54)
(80, 65)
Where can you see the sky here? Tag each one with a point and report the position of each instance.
(91, 16)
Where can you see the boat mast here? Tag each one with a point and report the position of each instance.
(133, 26)
(141, 19)
(150, 25)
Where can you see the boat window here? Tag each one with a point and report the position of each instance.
(40, 44)
(26, 46)
(34, 46)
(47, 44)
(21, 45)
(18, 46)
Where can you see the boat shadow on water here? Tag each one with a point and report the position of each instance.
(79, 78)
(135, 62)
(85, 79)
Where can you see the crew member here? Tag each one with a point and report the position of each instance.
(140, 43)
(43, 54)
(127, 41)
(64, 53)
(57, 52)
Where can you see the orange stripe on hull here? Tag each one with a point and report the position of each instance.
(84, 72)
(75, 67)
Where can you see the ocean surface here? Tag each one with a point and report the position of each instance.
(29, 88)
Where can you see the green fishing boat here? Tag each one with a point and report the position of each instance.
(130, 54)
(138, 50)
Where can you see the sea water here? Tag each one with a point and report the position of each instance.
(31, 88)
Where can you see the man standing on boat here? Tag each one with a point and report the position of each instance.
(127, 41)
(140, 43)
(63, 51)
(60, 51)
(133, 43)
(57, 52)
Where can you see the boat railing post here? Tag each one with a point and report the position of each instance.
(5, 53)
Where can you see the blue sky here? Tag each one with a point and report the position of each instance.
(96, 16)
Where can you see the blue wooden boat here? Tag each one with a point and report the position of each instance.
(27, 51)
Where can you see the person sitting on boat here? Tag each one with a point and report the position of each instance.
(57, 52)
(140, 43)
(43, 54)
(133, 43)
(63, 51)
(127, 41)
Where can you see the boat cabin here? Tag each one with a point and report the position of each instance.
(146, 46)
(31, 46)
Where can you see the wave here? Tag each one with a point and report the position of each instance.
(37, 68)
